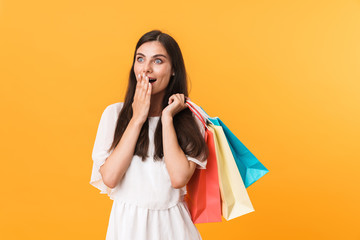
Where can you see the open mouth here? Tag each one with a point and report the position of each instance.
(152, 80)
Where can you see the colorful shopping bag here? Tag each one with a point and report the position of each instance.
(234, 197)
(203, 193)
(250, 168)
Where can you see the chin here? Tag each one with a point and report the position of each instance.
(156, 92)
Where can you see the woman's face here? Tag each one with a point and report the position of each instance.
(152, 59)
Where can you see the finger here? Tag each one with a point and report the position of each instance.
(145, 87)
(148, 93)
(171, 99)
(147, 82)
(137, 88)
(138, 84)
(181, 98)
(184, 98)
(141, 77)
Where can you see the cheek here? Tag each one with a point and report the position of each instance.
(136, 69)
(163, 72)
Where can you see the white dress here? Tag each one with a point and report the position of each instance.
(145, 205)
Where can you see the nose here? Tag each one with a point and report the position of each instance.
(147, 67)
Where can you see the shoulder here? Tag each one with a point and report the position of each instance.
(114, 108)
(111, 112)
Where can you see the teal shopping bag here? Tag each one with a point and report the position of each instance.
(250, 168)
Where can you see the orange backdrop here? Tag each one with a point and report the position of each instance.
(283, 75)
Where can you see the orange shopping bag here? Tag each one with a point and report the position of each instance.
(203, 192)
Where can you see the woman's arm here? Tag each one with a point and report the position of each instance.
(119, 160)
(179, 167)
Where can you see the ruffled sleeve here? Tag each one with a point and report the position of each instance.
(103, 141)
(199, 164)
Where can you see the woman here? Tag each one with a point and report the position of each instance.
(147, 148)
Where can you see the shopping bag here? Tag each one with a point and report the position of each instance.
(250, 168)
(234, 197)
(203, 193)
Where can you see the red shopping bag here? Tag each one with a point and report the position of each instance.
(203, 192)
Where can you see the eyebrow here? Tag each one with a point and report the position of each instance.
(156, 55)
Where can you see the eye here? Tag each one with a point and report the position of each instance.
(140, 59)
(158, 60)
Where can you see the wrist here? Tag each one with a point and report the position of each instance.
(166, 118)
(136, 122)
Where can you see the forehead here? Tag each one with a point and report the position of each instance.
(152, 48)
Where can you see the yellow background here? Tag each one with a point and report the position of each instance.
(283, 75)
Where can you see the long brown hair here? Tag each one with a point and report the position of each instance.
(188, 134)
